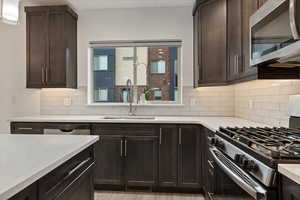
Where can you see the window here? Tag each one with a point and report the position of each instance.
(112, 64)
(101, 62)
(158, 67)
(101, 95)
(157, 94)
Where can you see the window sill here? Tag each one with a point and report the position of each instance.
(138, 105)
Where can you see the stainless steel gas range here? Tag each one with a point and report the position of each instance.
(246, 160)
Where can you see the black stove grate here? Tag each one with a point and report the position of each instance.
(277, 143)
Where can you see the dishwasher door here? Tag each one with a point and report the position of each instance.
(67, 129)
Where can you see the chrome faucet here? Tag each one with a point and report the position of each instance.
(129, 88)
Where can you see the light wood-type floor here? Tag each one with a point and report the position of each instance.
(103, 195)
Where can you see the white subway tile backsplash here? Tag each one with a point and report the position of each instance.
(270, 99)
(207, 101)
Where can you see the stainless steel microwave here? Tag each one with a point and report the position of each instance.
(275, 34)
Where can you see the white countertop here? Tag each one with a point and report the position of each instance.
(291, 171)
(213, 123)
(26, 158)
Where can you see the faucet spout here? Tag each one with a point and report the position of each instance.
(130, 88)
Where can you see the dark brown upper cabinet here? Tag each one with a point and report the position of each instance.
(210, 20)
(51, 47)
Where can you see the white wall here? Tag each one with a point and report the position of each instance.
(7, 61)
(136, 24)
(15, 99)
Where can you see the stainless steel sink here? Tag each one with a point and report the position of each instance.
(130, 117)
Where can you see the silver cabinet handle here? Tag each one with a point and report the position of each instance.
(160, 135)
(46, 74)
(43, 74)
(210, 164)
(179, 136)
(293, 19)
(121, 154)
(237, 63)
(25, 129)
(125, 153)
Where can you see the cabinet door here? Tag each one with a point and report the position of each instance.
(213, 42)
(81, 189)
(289, 189)
(168, 154)
(56, 68)
(189, 157)
(248, 8)
(109, 162)
(141, 160)
(29, 193)
(234, 45)
(36, 49)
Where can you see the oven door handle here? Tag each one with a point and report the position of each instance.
(293, 19)
(238, 175)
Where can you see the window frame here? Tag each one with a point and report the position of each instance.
(137, 43)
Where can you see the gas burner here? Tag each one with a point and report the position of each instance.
(277, 143)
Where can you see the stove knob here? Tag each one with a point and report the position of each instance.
(220, 144)
(251, 166)
(238, 158)
(212, 141)
(244, 162)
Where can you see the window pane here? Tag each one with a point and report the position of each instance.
(101, 95)
(161, 66)
(158, 67)
(123, 95)
(157, 94)
(101, 62)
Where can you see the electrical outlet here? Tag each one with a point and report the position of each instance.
(67, 101)
(250, 104)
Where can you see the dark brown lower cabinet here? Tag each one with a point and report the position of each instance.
(29, 193)
(80, 189)
(73, 180)
(140, 160)
(189, 164)
(289, 189)
(168, 156)
(109, 160)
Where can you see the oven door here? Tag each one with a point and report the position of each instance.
(232, 182)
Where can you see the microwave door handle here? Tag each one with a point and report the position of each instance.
(254, 189)
(293, 19)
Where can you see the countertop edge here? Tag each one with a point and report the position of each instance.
(289, 173)
(25, 183)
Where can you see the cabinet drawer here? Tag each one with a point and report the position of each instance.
(26, 128)
(125, 129)
(56, 181)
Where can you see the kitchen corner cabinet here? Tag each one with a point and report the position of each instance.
(51, 47)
